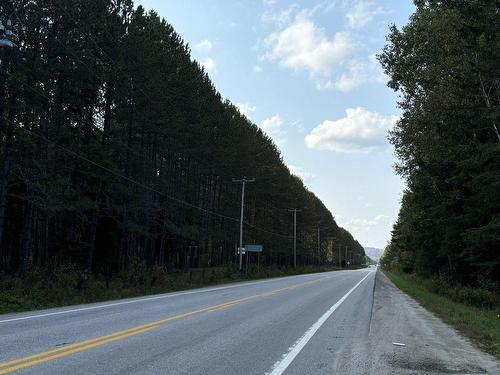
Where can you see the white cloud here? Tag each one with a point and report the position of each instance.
(280, 18)
(362, 13)
(358, 72)
(353, 78)
(360, 131)
(333, 60)
(209, 64)
(377, 220)
(273, 127)
(246, 109)
(257, 68)
(203, 46)
(286, 15)
(302, 45)
(304, 175)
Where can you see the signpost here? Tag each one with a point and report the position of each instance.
(253, 249)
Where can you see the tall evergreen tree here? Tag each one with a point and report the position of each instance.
(116, 150)
(445, 64)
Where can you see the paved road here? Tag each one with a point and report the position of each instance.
(291, 325)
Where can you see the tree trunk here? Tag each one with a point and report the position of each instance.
(26, 239)
(488, 105)
(92, 236)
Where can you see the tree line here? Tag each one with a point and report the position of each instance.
(445, 64)
(116, 150)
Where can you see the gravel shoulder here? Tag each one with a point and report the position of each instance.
(431, 346)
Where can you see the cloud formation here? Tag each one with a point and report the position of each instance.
(372, 222)
(246, 109)
(269, 2)
(357, 73)
(302, 45)
(360, 131)
(281, 17)
(273, 127)
(362, 13)
(203, 46)
(334, 61)
(209, 64)
(304, 175)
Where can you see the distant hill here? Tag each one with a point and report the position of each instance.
(374, 253)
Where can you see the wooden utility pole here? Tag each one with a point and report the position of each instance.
(294, 210)
(243, 181)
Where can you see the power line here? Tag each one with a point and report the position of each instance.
(110, 60)
(118, 174)
(129, 179)
(267, 231)
(50, 100)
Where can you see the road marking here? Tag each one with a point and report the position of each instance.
(76, 350)
(63, 351)
(145, 299)
(280, 366)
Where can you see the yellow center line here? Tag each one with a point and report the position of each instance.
(119, 334)
(31, 360)
(224, 307)
(76, 350)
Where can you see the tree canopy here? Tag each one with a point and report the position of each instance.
(445, 64)
(117, 149)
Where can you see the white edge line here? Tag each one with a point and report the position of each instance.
(170, 295)
(286, 359)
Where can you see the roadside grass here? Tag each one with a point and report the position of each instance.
(480, 324)
(69, 286)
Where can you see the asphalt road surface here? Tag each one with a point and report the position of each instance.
(291, 325)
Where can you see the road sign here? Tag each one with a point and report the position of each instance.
(254, 248)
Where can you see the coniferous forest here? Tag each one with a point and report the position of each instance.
(446, 65)
(117, 151)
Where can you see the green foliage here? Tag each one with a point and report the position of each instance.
(445, 64)
(470, 296)
(467, 311)
(68, 286)
(117, 153)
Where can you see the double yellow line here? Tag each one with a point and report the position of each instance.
(35, 359)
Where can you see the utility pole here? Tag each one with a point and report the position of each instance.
(243, 181)
(332, 245)
(346, 257)
(294, 210)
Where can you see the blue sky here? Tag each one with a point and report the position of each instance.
(305, 72)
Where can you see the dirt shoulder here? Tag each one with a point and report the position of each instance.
(431, 346)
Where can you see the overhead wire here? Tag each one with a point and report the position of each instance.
(117, 174)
